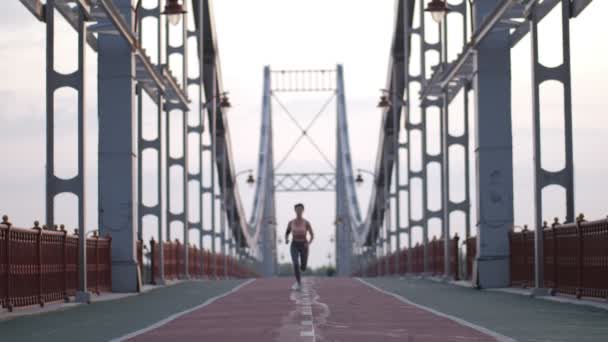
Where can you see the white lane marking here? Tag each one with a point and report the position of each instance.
(179, 314)
(497, 336)
(307, 310)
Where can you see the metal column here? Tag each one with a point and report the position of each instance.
(543, 177)
(493, 146)
(54, 184)
(151, 144)
(421, 126)
(449, 140)
(118, 152)
(182, 162)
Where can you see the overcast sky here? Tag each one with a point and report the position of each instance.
(303, 35)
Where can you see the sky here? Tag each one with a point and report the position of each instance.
(289, 34)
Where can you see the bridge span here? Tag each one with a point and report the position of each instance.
(198, 263)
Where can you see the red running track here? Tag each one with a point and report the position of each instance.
(332, 309)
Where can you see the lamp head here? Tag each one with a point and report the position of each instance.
(438, 10)
(359, 179)
(384, 102)
(225, 102)
(250, 180)
(174, 11)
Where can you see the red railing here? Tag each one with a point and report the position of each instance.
(521, 245)
(436, 261)
(38, 266)
(201, 263)
(575, 258)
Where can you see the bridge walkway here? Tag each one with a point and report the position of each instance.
(327, 309)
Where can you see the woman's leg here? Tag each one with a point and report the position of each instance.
(295, 260)
(303, 257)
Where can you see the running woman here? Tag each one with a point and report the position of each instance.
(299, 227)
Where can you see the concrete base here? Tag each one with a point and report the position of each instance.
(540, 292)
(83, 297)
(160, 282)
(492, 272)
(124, 277)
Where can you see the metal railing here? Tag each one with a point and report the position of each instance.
(575, 258)
(40, 265)
(388, 265)
(202, 263)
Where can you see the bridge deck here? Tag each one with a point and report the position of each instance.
(328, 309)
(325, 310)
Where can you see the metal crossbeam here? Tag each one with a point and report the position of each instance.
(509, 15)
(303, 80)
(304, 132)
(154, 79)
(304, 182)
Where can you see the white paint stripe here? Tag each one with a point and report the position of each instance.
(179, 314)
(307, 310)
(497, 336)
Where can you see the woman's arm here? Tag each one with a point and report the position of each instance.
(287, 231)
(312, 234)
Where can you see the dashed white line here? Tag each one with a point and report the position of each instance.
(307, 311)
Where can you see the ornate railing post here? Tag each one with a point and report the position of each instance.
(555, 252)
(38, 269)
(455, 255)
(579, 262)
(8, 302)
(153, 263)
(97, 268)
(64, 253)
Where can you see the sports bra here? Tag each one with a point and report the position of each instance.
(298, 230)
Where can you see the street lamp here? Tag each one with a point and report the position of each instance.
(224, 101)
(438, 10)
(250, 179)
(359, 180)
(384, 102)
(174, 11)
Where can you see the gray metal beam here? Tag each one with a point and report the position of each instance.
(493, 146)
(118, 150)
(542, 177)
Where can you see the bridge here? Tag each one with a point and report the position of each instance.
(431, 248)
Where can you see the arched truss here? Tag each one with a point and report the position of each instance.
(257, 230)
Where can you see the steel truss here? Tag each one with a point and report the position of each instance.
(304, 182)
(518, 18)
(157, 82)
(304, 80)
